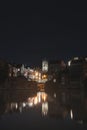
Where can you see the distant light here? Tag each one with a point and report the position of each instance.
(54, 95)
(86, 58)
(24, 104)
(71, 114)
(31, 70)
(45, 66)
(35, 101)
(45, 108)
(44, 96)
(30, 104)
(25, 74)
(69, 63)
(39, 96)
(18, 69)
(36, 73)
(76, 58)
(44, 76)
(54, 80)
(16, 105)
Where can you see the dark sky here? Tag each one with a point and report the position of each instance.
(43, 31)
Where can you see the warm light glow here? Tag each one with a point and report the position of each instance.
(45, 108)
(35, 101)
(30, 104)
(44, 96)
(39, 96)
(36, 73)
(39, 76)
(31, 101)
(44, 76)
(71, 114)
(14, 105)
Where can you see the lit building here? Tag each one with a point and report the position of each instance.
(14, 70)
(77, 69)
(22, 69)
(55, 67)
(44, 66)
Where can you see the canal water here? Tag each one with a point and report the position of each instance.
(47, 109)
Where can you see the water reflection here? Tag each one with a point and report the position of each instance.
(68, 104)
(62, 104)
(44, 108)
(71, 114)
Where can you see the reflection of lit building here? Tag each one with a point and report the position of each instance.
(71, 114)
(38, 100)
(44, 108)
(67, 105)
(41, 96)
(14, 105)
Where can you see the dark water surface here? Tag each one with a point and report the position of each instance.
(26, 109)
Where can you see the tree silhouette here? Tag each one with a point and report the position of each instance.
(4, 69)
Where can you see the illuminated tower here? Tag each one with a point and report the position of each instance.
(44, 66)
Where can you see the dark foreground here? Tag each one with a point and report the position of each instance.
(33, 120)
(24, 109)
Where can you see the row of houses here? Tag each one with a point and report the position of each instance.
(74, 71)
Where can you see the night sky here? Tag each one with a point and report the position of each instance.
(43, 31)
